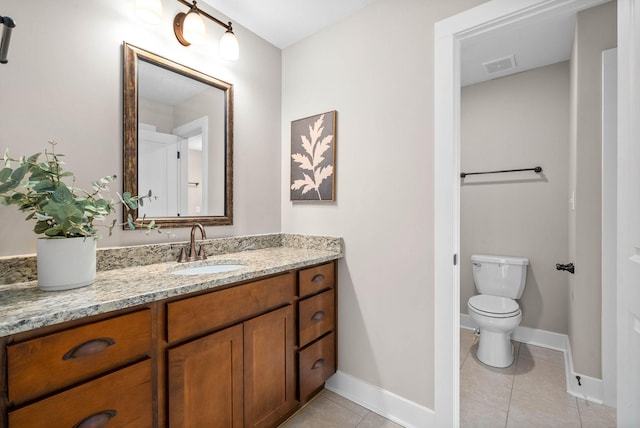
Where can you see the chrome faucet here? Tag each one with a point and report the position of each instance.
(193, 255)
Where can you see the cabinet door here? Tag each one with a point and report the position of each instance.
(205, 381)
(269, 381)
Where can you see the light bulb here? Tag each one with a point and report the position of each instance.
(149, 11)
(193, 29)
(229, 48)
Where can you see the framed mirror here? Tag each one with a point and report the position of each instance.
(178, 141)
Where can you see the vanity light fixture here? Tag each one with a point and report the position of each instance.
(149, 11)
(189, 29)
(8, 25)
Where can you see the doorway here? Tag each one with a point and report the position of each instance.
(448, 37)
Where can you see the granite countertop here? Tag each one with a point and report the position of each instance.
(23, 306)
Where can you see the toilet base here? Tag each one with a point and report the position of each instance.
(495, 349)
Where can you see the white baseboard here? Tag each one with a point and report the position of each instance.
(591, 388)
(385, 403)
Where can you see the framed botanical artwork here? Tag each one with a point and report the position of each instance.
(313, 158)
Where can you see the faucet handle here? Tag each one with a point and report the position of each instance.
(183, 255)
(201, 254)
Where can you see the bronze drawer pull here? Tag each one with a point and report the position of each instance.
(89, 347)
(317, 316)
(319, 363)
(96, 420)
(317, 278)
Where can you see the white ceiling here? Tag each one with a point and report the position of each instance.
(285, 22)
(534, 44)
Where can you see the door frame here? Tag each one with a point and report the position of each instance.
(449, 35)
(628, 412)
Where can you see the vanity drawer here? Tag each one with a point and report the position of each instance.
(121, 399)
(48, 363)
(317, 364)
(196, 315)
(315, 279)
(316, 317)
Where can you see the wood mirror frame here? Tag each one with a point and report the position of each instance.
(132, 55)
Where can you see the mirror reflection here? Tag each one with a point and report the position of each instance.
(179, 134)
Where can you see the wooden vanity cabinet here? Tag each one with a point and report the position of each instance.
(316, 329)
(243, 356)
(238, 375)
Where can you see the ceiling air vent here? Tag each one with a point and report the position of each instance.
(500, 65)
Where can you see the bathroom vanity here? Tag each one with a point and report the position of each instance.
(143, 347)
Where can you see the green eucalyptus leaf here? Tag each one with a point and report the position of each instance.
(111, 226)
(44, 186)
(5, 173)
(19, 173)
(34, 158)
(129, 201)
(130, 222)
(41, 217)
(56, 230)
(9, 185)
(62, 195)
(41, 227)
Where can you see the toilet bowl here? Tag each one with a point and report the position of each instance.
(496, 318)
(500, 280)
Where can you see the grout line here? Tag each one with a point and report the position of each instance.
(579, 413)
(328, 397)
(513, 382)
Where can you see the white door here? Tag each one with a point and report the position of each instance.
(158, 172)
(628, 214)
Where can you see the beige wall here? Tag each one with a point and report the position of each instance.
(595, 32)
(376, 69)
(64, 82)
(519, 121)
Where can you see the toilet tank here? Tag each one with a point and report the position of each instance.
(503, 276)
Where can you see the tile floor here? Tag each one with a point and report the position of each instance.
(530, 393)
(330, 410)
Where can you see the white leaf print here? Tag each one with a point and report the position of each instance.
(304, 161)
(314, 158)
(322, 147)
(323, 173)
(307, 183)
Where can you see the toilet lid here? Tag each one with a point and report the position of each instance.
(495, 306)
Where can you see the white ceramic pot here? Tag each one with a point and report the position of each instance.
(65, 263)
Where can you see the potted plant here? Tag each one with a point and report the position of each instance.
(68, 217)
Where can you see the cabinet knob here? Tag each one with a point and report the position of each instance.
(89, 347)
(317, 316)
(317, 278)
(318, 363)
(97, 420)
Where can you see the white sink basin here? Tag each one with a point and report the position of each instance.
(203, 270)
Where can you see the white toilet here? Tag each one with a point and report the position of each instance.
(500, 280)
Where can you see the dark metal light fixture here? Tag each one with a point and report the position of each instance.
(189, 29)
